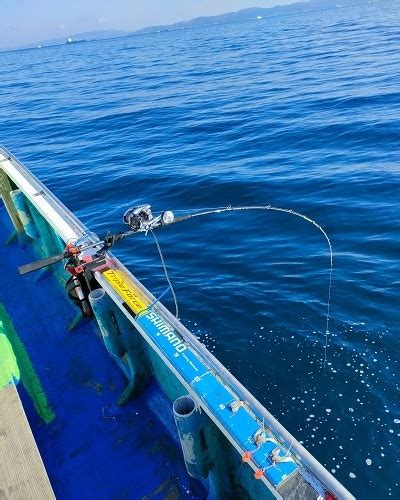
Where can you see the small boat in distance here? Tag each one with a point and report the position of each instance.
(71, 40)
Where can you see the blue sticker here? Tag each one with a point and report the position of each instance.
(240, 425)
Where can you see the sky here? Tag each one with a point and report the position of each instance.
(29, 21)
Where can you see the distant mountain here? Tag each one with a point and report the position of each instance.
(230, 17)
(256, 13)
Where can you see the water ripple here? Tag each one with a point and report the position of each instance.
(300, 112)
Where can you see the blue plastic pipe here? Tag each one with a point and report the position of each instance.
(191, 423)
(47, 242)
(122, 342)
(21, 205)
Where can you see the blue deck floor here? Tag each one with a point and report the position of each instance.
(92, 449)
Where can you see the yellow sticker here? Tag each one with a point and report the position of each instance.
(126, 290)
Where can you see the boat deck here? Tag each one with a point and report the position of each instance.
(22, 473)
(69, 386)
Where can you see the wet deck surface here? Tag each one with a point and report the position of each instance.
(22, 473)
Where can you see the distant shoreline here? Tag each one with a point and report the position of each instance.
(258, 14)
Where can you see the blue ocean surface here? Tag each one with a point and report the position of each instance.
(300, 112)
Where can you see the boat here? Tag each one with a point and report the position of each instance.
(109, 395)
(69, 40)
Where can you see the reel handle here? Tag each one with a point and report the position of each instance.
(39, 264)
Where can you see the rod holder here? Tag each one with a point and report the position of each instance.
(5, 195)
(59, 241)
(47, 241)
(191, 424)
(19, 200)
(122, 342)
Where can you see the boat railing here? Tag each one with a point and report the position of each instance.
(68, 227)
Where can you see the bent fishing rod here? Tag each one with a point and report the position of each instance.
(140, 219)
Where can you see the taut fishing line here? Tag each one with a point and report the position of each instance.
(291, 212)
(166, 273)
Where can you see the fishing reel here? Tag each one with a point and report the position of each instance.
(141, 219)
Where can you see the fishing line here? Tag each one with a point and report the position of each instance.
(141, 219)
(291, 212)
(166, 273)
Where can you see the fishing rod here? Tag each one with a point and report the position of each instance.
(140, 219)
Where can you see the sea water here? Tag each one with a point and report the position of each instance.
(300, 112)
